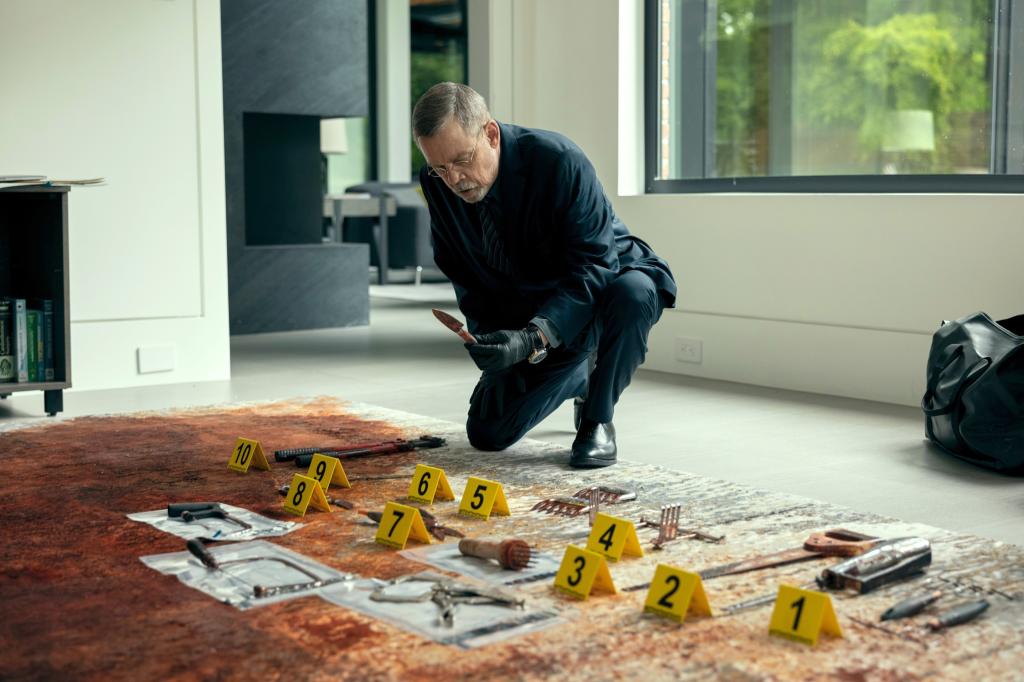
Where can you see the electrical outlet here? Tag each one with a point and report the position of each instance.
(689, 350)
(155, 359)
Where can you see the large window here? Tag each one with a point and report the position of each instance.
(439, 51)
(835, 95)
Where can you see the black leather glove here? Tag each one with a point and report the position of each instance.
(492, 392)
(501, 349)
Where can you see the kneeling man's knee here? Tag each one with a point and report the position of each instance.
(632, 294)
(488, 435)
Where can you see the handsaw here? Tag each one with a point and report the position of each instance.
(454, 324)
(834, 542)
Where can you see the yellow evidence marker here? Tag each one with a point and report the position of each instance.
(483, 498)
(428, 483)
(802, 615)
(674, 592)
(582, 571)
(328, 470)
(398, 523)
(303, 492)
(248, 453)
(613, 537)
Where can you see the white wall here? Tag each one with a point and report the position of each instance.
(836, 294)
(490, 60)
(394, 128)
(129, 90)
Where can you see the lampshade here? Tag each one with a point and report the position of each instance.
(910, 130)
(333, 136)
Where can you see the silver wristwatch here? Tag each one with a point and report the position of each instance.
(540, 351)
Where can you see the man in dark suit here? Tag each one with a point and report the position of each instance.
(559, 295)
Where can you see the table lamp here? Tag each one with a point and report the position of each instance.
(908, 130)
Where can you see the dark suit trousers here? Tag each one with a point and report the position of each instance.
(628, 309)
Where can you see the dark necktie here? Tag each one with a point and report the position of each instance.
(494, 250)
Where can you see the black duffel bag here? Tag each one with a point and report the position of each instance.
(974, 403)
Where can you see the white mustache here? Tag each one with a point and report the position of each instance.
(463, 188)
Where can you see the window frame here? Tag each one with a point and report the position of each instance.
(1007, 131)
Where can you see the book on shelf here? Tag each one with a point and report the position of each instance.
(44, 336)
(20, 340)
(7, 373)
(32, 329)
(26, 340)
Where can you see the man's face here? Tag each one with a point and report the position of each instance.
(467, 161)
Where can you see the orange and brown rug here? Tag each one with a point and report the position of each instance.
(78, 603)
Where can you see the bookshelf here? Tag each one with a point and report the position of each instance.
(34, 265)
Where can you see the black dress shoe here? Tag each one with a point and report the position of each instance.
(594, 445)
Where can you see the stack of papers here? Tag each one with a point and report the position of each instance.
(21, 180)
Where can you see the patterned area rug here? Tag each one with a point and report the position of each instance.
(80, 605)
(432, 292)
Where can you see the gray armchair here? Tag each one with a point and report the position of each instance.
(408, 232)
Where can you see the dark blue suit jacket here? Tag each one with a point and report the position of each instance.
(563, 239)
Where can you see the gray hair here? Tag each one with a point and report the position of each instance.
(448, 101)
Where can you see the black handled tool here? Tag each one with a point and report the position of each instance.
(198, 549)
(958, 615)
(196, 511)
(912, 606)
(175, 509)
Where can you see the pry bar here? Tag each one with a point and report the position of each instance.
(303, 456)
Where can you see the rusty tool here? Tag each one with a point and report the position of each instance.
(560, 506)
(447, 594)
(454, 324)
(834, 542)
(669, 525)
(429, 520)
(513, 553)
(303, 456)
(580, 502)
(889, 561)
(606, 494)
(380, 477)
(344, 504)
(669, 530)
(594, 495)
(198, 549)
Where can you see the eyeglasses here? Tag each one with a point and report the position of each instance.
(442, 172)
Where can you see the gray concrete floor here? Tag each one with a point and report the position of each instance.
(865, 455)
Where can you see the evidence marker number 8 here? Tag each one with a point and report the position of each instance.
(300, 490)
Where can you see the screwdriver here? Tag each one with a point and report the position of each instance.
(912, 606)
(958, 615)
